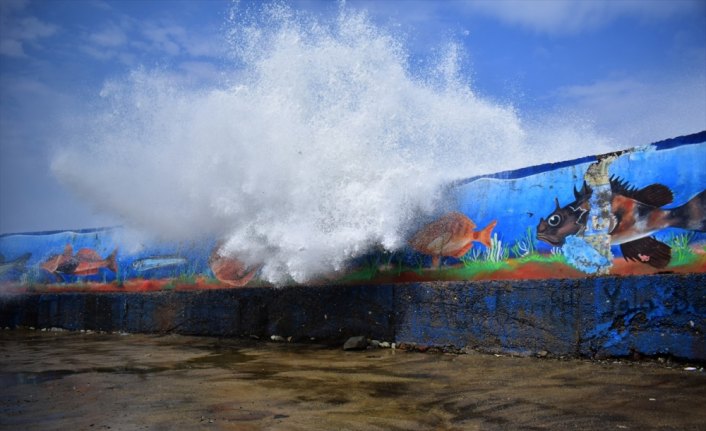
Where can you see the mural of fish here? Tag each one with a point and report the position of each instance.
(452, 235)
(85, 262)
(229, 270)
(16, 264)
(157, 262)
(569, 220)
(635, 215)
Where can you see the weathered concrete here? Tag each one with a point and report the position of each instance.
(650, 315)
(325, 313)
(612, 316)
(518, 316)
(604, 316)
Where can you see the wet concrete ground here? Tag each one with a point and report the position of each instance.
(79, 381)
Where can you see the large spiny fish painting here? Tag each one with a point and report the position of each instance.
(635, 215)
(452, 235)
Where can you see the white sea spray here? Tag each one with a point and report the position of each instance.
(320, 143)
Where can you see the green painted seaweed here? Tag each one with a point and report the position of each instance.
(682, 253)
(362, 274)
(473, 255)
(470, 269)
(496, 252)
(526, 245)
(188, 278)
(543, 258)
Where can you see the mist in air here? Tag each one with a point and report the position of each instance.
(320, 143)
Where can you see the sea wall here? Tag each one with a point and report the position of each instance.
(594, 317)
(603, 255)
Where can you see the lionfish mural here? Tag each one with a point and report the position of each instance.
(635, 215)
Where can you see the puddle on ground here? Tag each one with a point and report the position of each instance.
(21, 378)
(69, 380)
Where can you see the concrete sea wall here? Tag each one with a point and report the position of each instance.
(603, 255)
(600, 316)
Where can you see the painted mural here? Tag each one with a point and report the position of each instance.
(640, 211)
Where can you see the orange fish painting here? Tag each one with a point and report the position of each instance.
(452, 235)
(229, 270)
(84, 262)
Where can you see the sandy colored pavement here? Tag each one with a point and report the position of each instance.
(89, 381)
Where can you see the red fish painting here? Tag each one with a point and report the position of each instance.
(452, 235)
(85, 262)
(635, 215)
(229, 270)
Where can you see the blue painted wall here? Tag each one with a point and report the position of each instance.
(516, 201)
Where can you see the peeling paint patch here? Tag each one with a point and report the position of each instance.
(597, 233)
(584, 256)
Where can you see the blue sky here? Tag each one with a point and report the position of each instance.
(633, 72)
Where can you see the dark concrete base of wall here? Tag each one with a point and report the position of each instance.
(604, 316)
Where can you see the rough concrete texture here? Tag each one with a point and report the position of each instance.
(497, 315)
(300, 312)
(610, 316)
(77, 381)
(599, 316)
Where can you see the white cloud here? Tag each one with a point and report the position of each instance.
(30, 28)
(164, 37)
(174, 40)
(639, 111)
(200, 46)
(110, 36)
(11, 48)
(18, 31)
(127, 58)
(201, 71)
(98, 53)
(575, 16)
(102, 5)
(542, 16)
(9, 6)
(131, 38)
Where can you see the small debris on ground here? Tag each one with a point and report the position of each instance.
(356, 343)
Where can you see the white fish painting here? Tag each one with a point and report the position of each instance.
(157, 262)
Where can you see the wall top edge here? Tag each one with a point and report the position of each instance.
(667, 144)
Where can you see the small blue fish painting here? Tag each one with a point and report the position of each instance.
(157, 262)
(13, 265)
